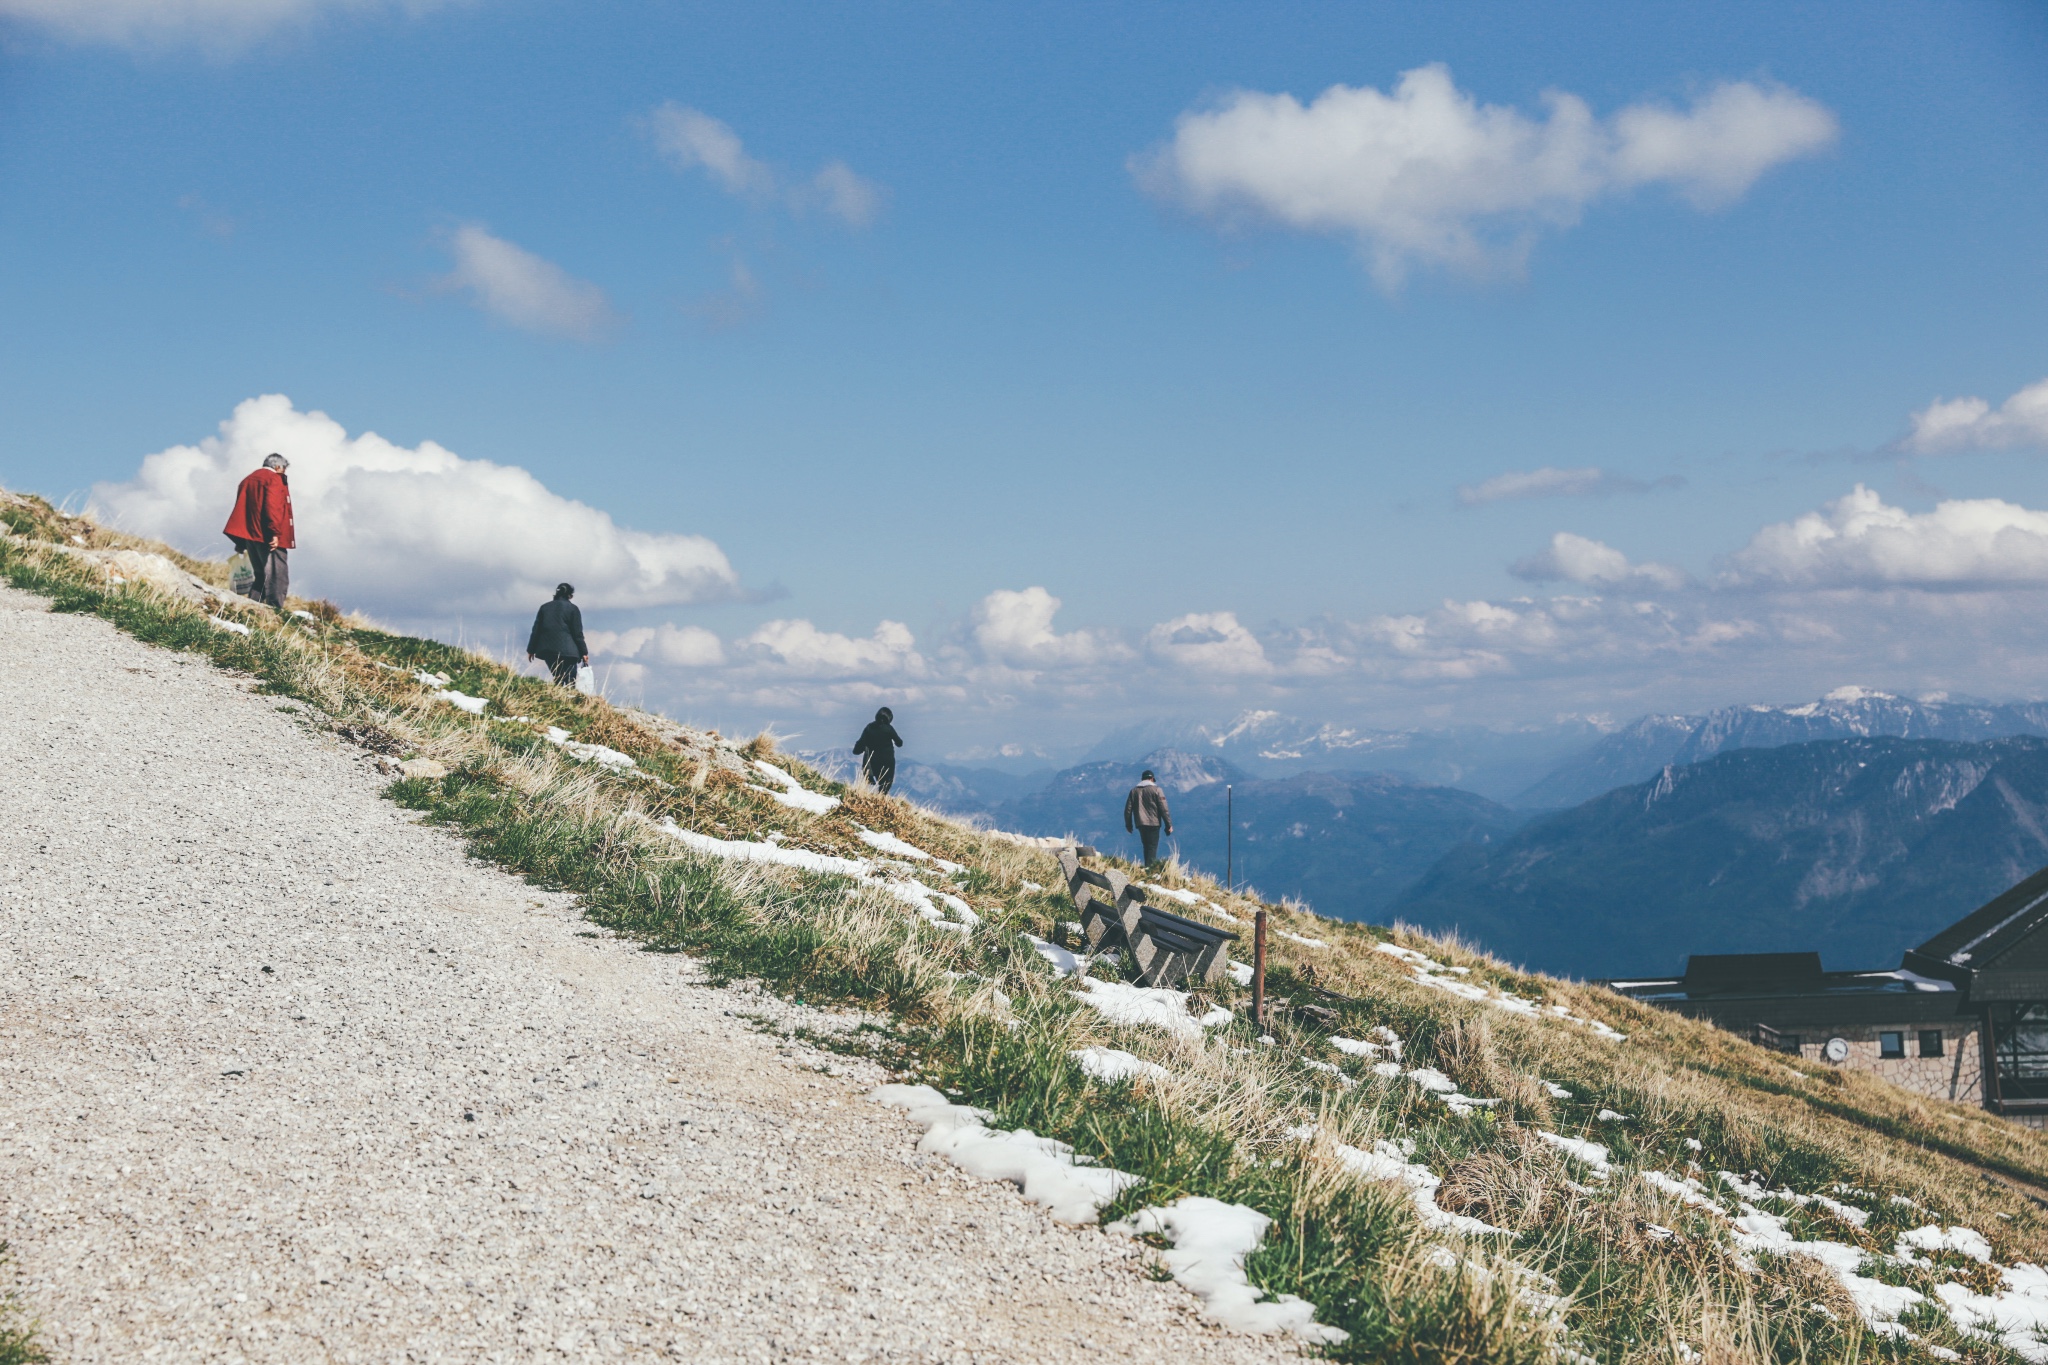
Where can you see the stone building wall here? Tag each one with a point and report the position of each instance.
(1955, 1075)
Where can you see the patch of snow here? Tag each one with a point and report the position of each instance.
(926, 902)
(1878, 1303)
(1047, 1171)
(1210, 1242)
(236, 626)
(426, 679)
(1386, 1069)
(1241, 973)
(1968, 1241)
(1114, 1064)
(1311, 942)
(306, 616)
(895, 847)
(1147, 1007)
(1695, 1144)
(1184, 897)
(1429, 1078)
(1387, 1162)
(1557, 1092)
(1064, 962)
(588, 753)
(1685, 1190)
(2020, 1313)
(1591, 1154)
(462, 701)
(794, 794)
(743, 850)
(1032, 886)
(1610, 1116)
(1336, 1071)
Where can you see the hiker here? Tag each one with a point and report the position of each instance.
(876, 750)
(1145, 812)
(261, 527)
(557, 638)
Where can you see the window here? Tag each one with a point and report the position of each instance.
(1930, 1042)
(1891, 1044)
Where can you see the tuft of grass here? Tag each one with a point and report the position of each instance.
(17, 1330)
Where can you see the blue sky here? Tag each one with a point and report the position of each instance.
(1204, 415)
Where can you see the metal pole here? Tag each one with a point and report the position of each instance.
(1229, 833)
(1259, 970)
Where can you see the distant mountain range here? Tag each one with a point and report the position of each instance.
(1638, 751)
(1857, 847)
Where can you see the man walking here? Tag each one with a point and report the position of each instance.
(261, 527)
(1145, 812)
(876, 750)
(557, 637)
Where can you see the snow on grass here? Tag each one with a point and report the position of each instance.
(1184, 897)
(1684, 1189)
(1380, 1039)
(1556, 1092)
(1072, 1188)
(1968, 1241)
(1879, 1304)
(1591, 1154)
(1311, 942)
(888, 843)
(793, 793)
(588, 753)
(1114, 1064)
(1241, 973)
(462, 701)
(236, 626)
(926, 902)
(1848, 1213)
(1063, 962)
(2016, 1318)
(1210, 1242)
(1427, 971)
(750, 851)
(1147, 1007)
(1387, 1162)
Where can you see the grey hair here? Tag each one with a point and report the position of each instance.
(277, 462)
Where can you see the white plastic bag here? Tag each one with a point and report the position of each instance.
(241, 573)
(585, 683)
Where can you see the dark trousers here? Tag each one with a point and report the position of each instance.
(563, 666)
(1148, 835)
(880, 778)
(273, 572)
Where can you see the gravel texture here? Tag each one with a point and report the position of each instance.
(284, 1076)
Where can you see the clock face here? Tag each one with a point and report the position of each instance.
(1837, 1050)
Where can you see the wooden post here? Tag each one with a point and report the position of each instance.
(1229, 836)
(1259, 971)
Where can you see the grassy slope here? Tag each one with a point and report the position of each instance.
(984, 1016)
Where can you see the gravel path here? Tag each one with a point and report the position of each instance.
(283, 1076)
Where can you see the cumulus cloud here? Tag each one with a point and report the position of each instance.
(1426, 174)
(214, 23)
(1550, 482)
(800, 648)
(677, 646)
(1859, 541)
(1015, 628)
(1575, 559)
(1954, 424)
(1208, 642)
(413, 532)
(516, 286)
(690, 139)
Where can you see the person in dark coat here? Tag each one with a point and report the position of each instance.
(876, 750)
(1145, 813)
(260, 525)
(557, 638)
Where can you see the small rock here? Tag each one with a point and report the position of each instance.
(422, 767)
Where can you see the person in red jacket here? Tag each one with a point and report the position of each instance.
(261, 527)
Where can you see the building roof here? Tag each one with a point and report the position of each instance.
(1790, 991)
(1990, 950)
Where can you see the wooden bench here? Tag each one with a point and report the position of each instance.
(1167, 948)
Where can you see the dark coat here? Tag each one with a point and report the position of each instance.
(877, 747)
(558, 632)
(1146, 805)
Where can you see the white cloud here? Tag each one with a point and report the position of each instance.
(798, 647)
(411, 533)
(214, 23)
(1952, 424)
(1550, 482)
(678, 646)
(1015, 628)
(1859, 541)
(521, 288)
(1576, 559)
(1427, 174)
(1208, 642)
(690, 139)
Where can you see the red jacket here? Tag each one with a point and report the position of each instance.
(263, 510)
